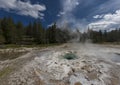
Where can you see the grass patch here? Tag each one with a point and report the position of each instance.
(10, 55)
(5, 72)
(6, 46)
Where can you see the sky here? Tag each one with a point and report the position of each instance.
(80, 14)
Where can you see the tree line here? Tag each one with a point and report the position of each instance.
(101, 36)
(104, 36)
(34, 33)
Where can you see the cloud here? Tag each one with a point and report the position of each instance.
(66, 14)
(69, 5)
(23, 8)
(50, 24)
(107, 15)
(60, 14)
(98, 16)
(107, 21)
(101, 14)
(106, 7)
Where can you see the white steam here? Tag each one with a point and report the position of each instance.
(66, 15)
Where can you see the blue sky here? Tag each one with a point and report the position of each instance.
(97, 14)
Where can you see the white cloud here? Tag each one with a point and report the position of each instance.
(98, 16)
(106, 7)
(23, 8)
(70, 5)
(50, 24)
(58, 15)
(107, 21)
(67, 17)
(103, 18)
(77, 3)
(66, 14)
(61, 13)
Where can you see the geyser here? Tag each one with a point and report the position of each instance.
(70, 56)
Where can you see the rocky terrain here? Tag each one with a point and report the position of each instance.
(68, 64)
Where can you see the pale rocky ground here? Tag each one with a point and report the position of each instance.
(94, 65)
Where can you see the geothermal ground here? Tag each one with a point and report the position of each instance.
(68, 64)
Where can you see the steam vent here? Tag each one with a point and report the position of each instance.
(70, 56)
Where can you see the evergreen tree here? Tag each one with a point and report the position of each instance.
(19, 32)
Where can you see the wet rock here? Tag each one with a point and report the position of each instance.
(92, 75)
(77, 83)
